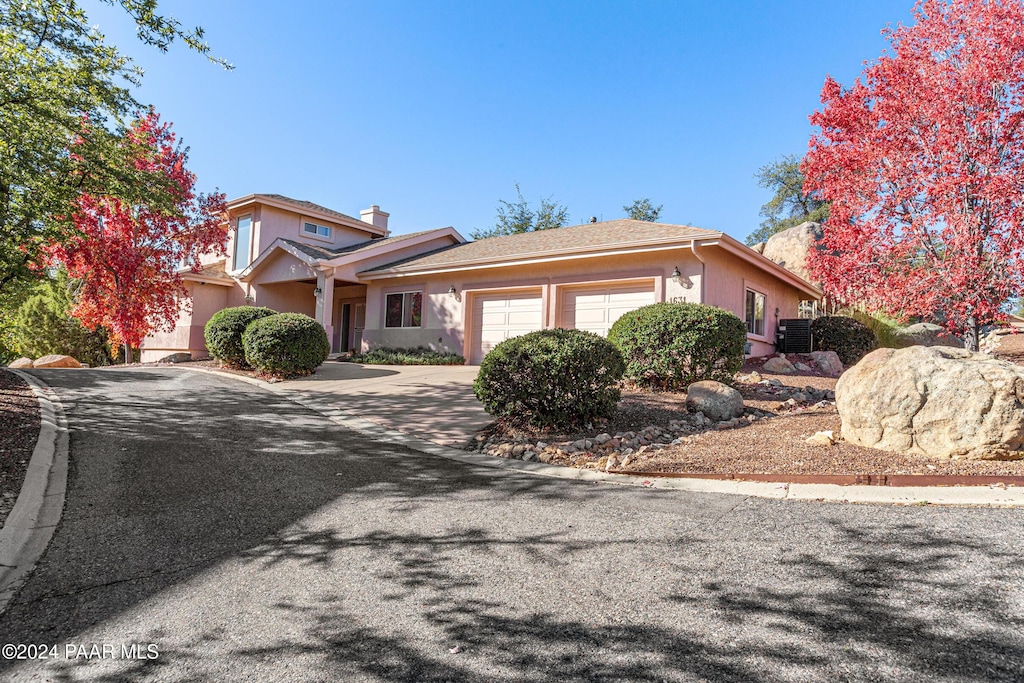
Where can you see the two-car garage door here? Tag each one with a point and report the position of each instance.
(498, 316)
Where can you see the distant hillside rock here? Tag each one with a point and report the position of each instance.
(789, 248)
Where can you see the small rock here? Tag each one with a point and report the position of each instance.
(541, 445)
(545, 457)
(518, 450)
(602, 438)
(611, 464)
(827, 438)
(530, 456)
(625, 462)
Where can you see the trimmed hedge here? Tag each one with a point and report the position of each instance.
(849, 338)
(551, 378)
(669, 346)
(223, 332)
(420, 355)
(285, 345)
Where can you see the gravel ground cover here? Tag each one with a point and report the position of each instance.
(783, 411)
(19, 431)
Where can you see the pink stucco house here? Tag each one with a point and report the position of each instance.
(433, 288)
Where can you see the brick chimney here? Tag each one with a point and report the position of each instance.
(374, 216)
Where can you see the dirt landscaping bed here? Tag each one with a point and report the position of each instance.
(771, 438)
(19, 431)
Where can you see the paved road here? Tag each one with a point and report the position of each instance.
(248, 540)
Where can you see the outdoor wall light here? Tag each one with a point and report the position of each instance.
(317, 291)
(249, 298)
(451, 291)
(676, 274)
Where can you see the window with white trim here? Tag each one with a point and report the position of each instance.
(243, 237)
(318, 230)
(756, 304)
(403, 309)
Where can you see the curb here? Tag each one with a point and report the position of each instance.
(30, 526)
(989, 496)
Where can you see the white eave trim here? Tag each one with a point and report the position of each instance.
(543, 257)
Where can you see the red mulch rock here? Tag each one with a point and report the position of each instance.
(19, 431)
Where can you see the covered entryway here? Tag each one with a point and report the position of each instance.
(499, 316)
(595, 309)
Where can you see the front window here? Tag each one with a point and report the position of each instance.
(318, 230)
(243, 236)
(404, 309)
(755, 313)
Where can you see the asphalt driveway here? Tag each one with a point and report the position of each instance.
(246, 539)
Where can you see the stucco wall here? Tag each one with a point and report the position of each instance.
(187, 335)
(275, 222)
(287, 297)
(446, 321)
(729, 276)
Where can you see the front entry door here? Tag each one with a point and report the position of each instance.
(346, 320)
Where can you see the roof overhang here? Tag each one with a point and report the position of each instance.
(348, 221)
(345, 257)
(714, 239)
(540, 257)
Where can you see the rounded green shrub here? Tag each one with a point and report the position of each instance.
(551, 378)
(285, 345)
(224, 330)
(669, 346)
(849, 338)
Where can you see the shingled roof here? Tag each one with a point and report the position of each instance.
(327, 254)
(306, 205)
(621, 233)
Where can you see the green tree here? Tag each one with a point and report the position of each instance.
(789, 206)
(517, 217)
(643, 210)
(65, 101)
(43, 325)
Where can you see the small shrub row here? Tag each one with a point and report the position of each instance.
(420, 355)
(278, 344)
(223, 332)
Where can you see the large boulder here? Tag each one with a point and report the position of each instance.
(778, 365)
(925, 334)
(56, 361)
(21, 363)
(790, 247)
(716, 400)
(935, 401)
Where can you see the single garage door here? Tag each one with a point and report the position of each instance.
(496, 317)
(595, 309)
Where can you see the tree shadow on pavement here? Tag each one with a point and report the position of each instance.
(379, 561)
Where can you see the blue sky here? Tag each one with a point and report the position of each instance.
(434, 109)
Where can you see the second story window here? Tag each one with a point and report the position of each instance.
(318, 230)
(243, 242)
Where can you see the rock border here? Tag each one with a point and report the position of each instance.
(33, 520)
(987, 496)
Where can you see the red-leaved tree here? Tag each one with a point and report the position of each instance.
(923, 161)
(127, 255)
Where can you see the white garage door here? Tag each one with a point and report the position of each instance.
(496, 317)
(595, 309)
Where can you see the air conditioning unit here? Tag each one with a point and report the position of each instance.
(793, 335)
